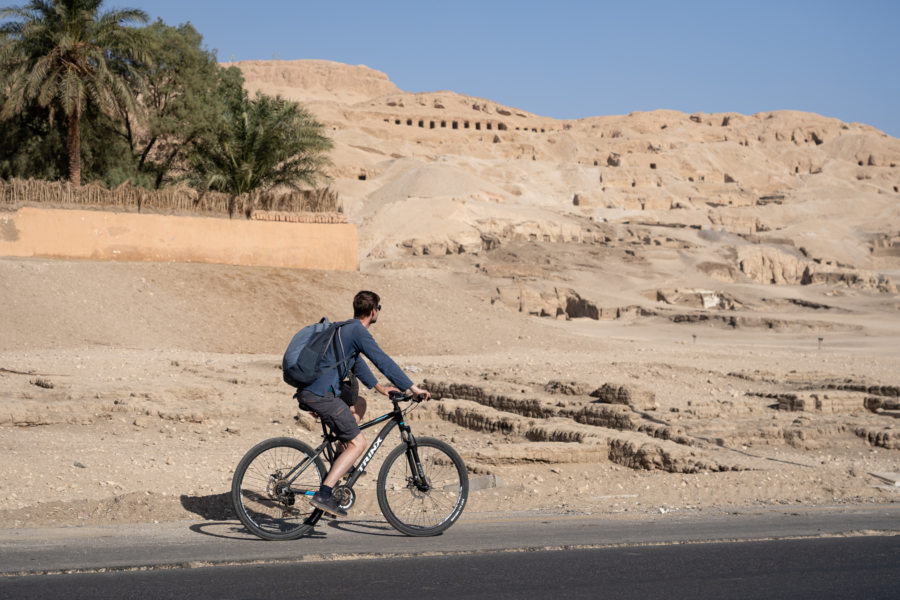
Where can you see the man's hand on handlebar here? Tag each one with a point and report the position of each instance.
(420, 393)
(386, 390)
(416, 393)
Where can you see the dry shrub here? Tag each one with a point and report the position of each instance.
(320, 200)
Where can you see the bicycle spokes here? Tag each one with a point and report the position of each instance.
(269, 487)
(422, 490)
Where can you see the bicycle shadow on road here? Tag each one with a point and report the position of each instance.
(227, 530)
(231, 530)
(379, 528)
(219, 509)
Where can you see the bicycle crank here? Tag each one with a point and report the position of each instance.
(345, 496)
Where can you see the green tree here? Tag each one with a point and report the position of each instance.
(184, 95)
(266, 142)
(33, 145)
(58, 54)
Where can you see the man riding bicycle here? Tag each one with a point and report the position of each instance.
(342, 412)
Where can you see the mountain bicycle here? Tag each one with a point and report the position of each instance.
(422, 486)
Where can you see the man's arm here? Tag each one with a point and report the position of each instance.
(364, 373)
(367, 345)
(362, 370)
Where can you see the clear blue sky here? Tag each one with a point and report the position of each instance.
(572, 59)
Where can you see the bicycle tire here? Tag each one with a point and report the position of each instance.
(264, 509)
(417, 512)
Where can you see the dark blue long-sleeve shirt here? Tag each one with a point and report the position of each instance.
(356, 340)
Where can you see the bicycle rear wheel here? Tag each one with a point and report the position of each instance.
(264, 501)
(423, 508)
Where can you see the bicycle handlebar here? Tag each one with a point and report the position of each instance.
(401, 397)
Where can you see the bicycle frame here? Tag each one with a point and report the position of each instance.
(395, 419)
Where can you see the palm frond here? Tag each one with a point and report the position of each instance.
(269, 142)
(71, 92)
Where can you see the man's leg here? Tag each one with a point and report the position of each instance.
(324, 498)
(359, 411)
(336, 414)
(352, 450)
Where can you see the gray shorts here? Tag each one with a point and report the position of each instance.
(334, 412)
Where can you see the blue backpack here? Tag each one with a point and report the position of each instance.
(302, 362)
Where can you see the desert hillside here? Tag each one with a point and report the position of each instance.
(654, 202)
(627, 314)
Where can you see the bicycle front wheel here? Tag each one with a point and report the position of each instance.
(271, 488)
(426, 505)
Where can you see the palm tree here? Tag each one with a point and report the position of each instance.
(265, 142)
(58, 53)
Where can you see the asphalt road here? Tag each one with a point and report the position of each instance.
(825, 552)
(846, 568)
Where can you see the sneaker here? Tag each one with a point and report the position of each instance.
(329, 505)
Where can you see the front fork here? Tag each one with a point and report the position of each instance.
(412, 457)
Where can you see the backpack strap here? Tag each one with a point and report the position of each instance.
(339, 355)
(343, 359)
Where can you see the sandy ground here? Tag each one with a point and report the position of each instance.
(121, 402)
(720, 322)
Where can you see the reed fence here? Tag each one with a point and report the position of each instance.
(177, 200)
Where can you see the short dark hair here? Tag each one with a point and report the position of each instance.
(364, 303)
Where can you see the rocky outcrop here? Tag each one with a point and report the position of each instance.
(575, 306)
(885, 437)
(830, 402)
(695, 298)
(535, 231)
(735, 321)
(876, 404)
(623, 413)
(629, 395)
(648, 456)
(562, 303)
(741, 224)
(721, 271)
(769, 265)
(631, 449)
(891, 391)
(307, 80)
(527, 300)
(479, 417)
(611, 416)
(865, 280)
(523, 406)
(463, 242)
(765, 264)
(537, 452)
(566, 388)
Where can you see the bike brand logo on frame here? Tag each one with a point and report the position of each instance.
(371, 452)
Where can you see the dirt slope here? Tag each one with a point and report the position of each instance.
(637, 313)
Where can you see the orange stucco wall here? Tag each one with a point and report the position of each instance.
(101, 235)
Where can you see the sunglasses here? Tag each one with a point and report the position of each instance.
(379, 308)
